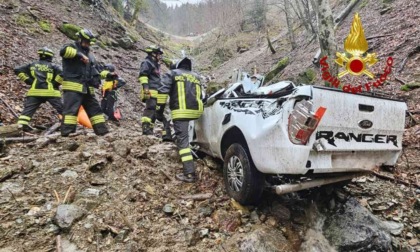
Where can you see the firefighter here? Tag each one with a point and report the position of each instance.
(150, 81)
(81, 76)
(185, 102)
(110, 93)
(44, 78)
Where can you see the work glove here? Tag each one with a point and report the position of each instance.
(146, 94)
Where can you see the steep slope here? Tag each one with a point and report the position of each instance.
(27, 26)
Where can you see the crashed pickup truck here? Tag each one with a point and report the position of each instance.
(292, 137)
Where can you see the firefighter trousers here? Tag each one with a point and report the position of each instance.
(155, 111)
(72, 103)
(183, 144)
(32, 103)
(108, 104)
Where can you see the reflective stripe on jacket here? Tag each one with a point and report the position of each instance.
(78, 76)
(43, 76)
(184, 90)
(150, 73)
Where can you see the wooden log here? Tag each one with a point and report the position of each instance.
(201, 196)
(18, 139)
(344, 13)
(392, 179)
(10, 130)
(52, 129)
(58, 243)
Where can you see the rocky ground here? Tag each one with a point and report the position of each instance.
(118, 193)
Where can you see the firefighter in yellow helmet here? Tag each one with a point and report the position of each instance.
(44, 78)
(150, 81)
(81, 76)
(184, 89)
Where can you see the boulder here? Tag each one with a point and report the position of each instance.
(354, 228)
(125, 42)
(69, 30)
(67, 215)
(262, 239)
(226, 221)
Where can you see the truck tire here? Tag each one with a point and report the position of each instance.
(244, 183)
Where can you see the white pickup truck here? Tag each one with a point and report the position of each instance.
(269, 135)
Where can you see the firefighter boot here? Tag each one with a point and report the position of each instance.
(189, 173)
(67, 129)
(27, 128)
(100, 129)
(147, 128)
(167, 136)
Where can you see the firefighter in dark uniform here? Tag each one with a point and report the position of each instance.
(110, 92)
(185, 102)
(81, 76)
(150, 81)
(44, 78)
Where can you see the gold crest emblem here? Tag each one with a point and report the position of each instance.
(355, 59)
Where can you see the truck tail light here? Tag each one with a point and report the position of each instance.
(303, 122)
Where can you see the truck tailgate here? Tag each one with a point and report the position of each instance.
(358, 123)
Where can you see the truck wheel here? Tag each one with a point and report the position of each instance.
(243, 181)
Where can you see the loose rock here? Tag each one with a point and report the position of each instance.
(355, 227)
(68, 214)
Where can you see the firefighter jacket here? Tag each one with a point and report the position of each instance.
(149, 78)
(185, 94)
(78, 76)
(43, 76)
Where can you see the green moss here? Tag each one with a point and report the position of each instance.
(45, 25)
(277, 69)
(133, 37)
(363, 4)
(405, 88)
(70, 30)
(410, 86)
(24, 20)
(101, 45)
(307, 77)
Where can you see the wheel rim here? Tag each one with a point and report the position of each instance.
(235, 173)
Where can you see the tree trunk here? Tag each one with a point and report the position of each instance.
(270, 45)
(300, 15)
(343, 14)
(308, 15)
(289, 25)
(326, 34)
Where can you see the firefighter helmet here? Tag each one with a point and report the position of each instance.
(184, 63)
(86, 34)
(110, 67)
(154, 49)
(45, 52)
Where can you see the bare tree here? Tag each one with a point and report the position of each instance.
(289, 24)
(326, 30)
